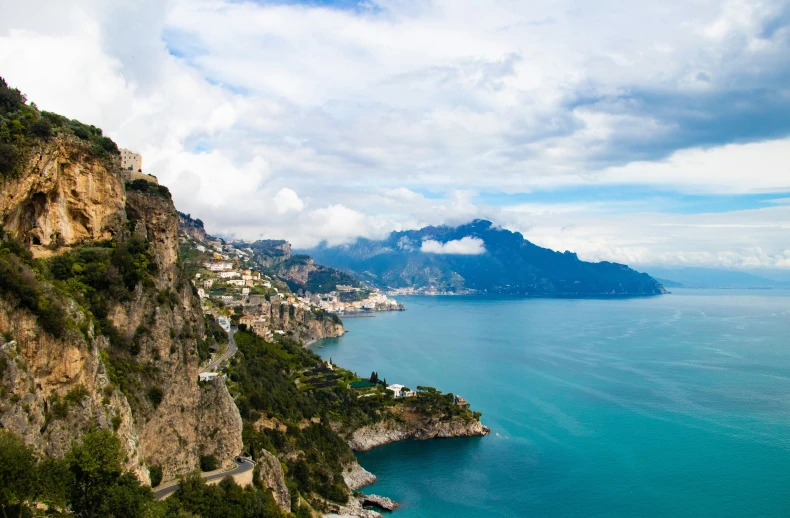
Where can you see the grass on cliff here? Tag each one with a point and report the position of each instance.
(22, 126)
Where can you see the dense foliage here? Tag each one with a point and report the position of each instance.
(21, 285)
(89, 480)
(225, 500)
(144, 186)
(264, 375)
(23, 126)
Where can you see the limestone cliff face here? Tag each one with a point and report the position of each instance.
(190, 421)
(390, 430)
(271, 474)
(65, 196)
(40, 370)
(303, 323)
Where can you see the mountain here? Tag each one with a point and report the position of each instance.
(300, 271)
(714, 278)
(479, 257)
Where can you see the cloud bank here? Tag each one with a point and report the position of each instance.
(586, 127)
(463, 246)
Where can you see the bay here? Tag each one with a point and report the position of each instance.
(677, 405)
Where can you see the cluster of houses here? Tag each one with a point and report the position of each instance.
(375, 301)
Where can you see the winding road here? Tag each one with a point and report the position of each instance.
(226, 356)
(171, 487)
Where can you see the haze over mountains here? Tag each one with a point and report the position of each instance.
(713, 278)
(479, 257)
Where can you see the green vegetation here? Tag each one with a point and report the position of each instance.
(22, 127)
(155, 472)
(20, 284)
(17, 471)
(225, 500)
(91, 483)
(147, 187)
(265, 375)
(90, 480)
(208, 463)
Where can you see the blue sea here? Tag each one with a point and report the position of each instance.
(677, 405)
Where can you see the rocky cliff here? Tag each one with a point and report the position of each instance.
(303, 323)
(392, 430)
(147, 387)
(66, 195)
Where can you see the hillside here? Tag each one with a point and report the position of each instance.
(504, 262)
(300, 271)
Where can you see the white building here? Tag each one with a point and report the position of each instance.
(131, 161)
(201, 248)
(236, 282)
(228, 275)
(397, 389)
(245, 291)
(207, 376)
(218, 267)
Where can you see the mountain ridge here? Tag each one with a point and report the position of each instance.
(454, 262)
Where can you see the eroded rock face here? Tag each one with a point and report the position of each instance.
(356, 477)
(388, 431)
(65, 196)
(271, 473)
(303, 323)
(40, 369)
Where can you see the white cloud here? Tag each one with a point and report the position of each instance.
(398, 116)
(287, 200)
(464, 246)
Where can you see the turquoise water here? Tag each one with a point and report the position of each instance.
(669, 406)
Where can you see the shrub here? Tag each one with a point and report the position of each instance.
(208, 463)
(156, 475)
(155, 395)
(42, 128)
(76, 394)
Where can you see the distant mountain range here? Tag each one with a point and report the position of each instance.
(480, 258)
(712, 278)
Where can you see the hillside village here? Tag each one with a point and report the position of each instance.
(229, 280)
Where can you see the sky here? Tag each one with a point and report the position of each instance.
(647, 133)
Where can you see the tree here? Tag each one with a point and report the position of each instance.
(155, 472)
(17, 470)
(54, 482)
(96, 466)
(208, 463)
(374, 377)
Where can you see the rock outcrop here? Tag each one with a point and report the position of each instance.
(389, 430)
(381, 502)
(303, 323)
(357, 477)
(352, 508)
(271, 474)
(65, 196)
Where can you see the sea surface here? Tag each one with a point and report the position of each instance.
(677, 405)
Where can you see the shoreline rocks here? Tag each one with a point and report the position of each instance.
(357, 477)
(381, 502)
(386, 432)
